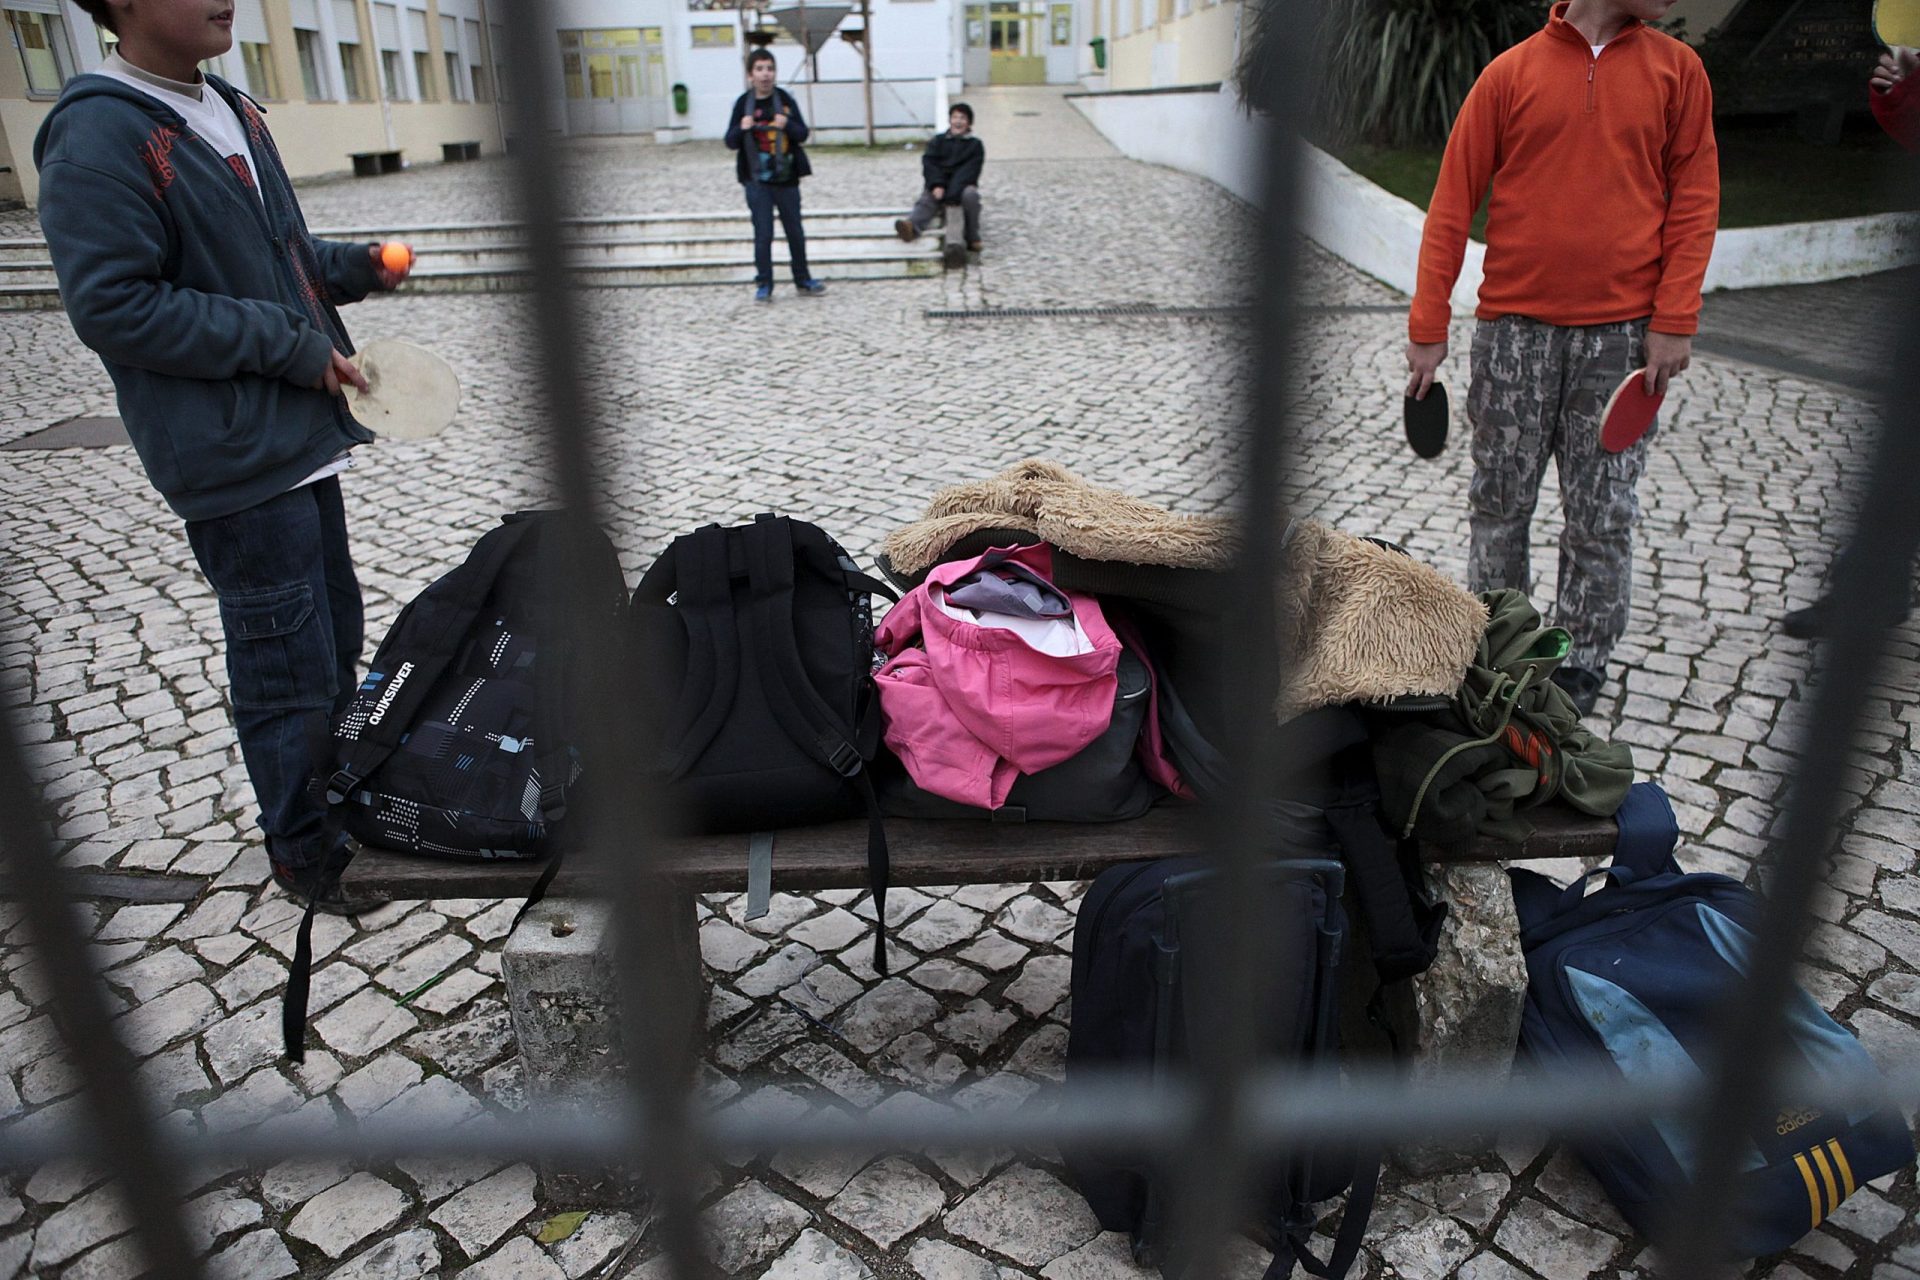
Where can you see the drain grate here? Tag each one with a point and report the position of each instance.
(1143, 309)
(75, 433)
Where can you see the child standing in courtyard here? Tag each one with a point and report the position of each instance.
(1595, 136)
(184, 262)
(766, 128)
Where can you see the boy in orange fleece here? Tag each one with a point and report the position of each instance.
(1596, 137)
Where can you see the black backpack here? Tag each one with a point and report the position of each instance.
(457, 742)
(756, 644)
(1146, 964)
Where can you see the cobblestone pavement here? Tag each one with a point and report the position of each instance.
(1838, 332)
(112, 670)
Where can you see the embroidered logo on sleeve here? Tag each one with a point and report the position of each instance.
(157, 154)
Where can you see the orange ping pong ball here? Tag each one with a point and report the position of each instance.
(395, 256)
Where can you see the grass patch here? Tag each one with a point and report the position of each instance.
(1768, 174)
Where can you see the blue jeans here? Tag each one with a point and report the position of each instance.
(291, 609)
(762, 200)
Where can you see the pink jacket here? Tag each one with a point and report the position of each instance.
(968, 707)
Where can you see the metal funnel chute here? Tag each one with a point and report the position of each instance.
(810, 24)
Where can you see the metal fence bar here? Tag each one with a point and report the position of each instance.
(1283, 1112)
(117, 1126)
(655, 1005)
(1216, 1172)
(1752, 1040)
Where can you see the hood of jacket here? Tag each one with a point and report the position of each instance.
(82, 87)
(1362, 622)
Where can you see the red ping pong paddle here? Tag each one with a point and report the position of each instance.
(1630, 411)
(1426, 422)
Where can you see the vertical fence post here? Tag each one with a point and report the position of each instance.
(117, 1126)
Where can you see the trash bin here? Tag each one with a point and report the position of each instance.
(680, 99)
(1099, 44)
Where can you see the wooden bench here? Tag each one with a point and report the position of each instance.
(454, 152)
(371, 164)
(923, 851)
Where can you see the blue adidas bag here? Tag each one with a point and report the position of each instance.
(1635, 973)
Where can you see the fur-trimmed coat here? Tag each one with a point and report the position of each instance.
(1362, 622)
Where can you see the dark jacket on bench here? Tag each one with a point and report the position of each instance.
(953, 163)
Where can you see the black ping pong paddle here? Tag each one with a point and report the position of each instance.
(1426, 422)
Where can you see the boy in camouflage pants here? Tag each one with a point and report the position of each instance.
(1596, 138)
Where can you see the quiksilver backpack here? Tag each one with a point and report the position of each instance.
(458, 742)
(756, 646)
(1633, 976)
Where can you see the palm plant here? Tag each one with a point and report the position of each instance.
(1391, 72)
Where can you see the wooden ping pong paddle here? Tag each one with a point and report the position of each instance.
(1896, 23)
(1630, 411)
(1426, 422)
(411, 392)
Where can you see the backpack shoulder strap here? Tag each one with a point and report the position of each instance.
(436, 622)
(703, 581)
(1403, 931)
(1648, 832)
(1346, 1244)
(797, 705)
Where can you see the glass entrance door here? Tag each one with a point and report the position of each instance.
(615, 80)
(1014, 41)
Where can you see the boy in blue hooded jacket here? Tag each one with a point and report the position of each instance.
(184, 262)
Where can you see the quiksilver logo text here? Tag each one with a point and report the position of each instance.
(393, 691)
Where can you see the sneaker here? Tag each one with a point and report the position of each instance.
(905, 230)
(336, 901)
(1581, 685)
(974, 246)
(763, 293)
(811, 288)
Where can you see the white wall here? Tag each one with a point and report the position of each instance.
(1205, 133)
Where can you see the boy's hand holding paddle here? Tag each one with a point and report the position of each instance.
(341, 372)
(1631, 408)
(1425, 413)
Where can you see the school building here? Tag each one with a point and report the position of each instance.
(337, 77)
(417, 78)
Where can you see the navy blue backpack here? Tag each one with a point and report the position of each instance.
(1635, 974)
(1149, 982)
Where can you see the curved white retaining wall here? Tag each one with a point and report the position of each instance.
(1204, 132)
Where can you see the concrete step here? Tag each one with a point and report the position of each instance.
(589, 254)
(424, 237)
(622, 250)
(685, 271)
(23, 250)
